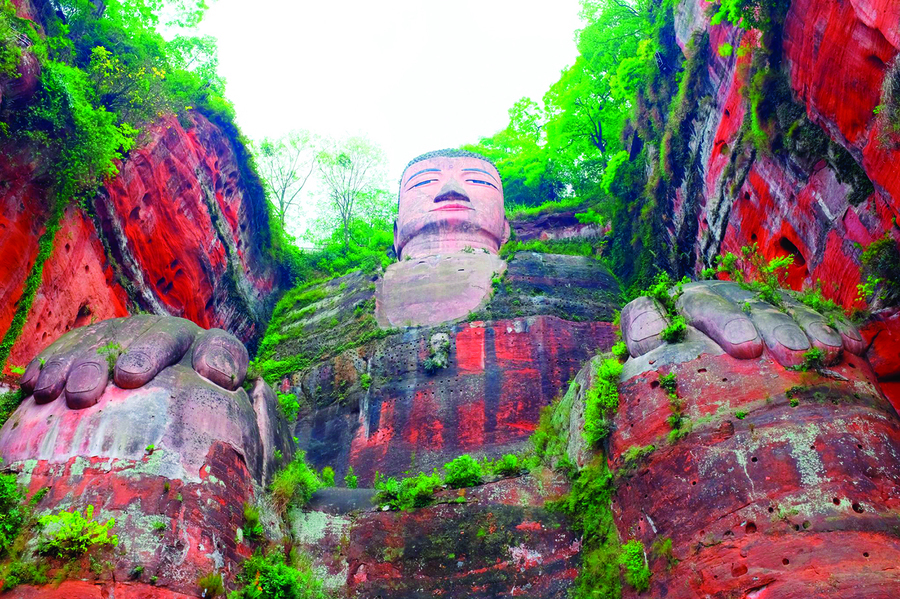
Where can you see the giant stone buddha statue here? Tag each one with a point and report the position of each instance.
(450, 225)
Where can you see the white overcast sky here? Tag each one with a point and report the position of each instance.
(412, 75)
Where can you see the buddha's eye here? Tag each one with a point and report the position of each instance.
(480, 182)
(421, 183)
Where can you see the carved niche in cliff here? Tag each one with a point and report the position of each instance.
(450, 225)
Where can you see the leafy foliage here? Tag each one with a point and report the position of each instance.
(601, 401)
(253, 528)
(637, 572)
(508, 465)
(350, 479)
(211, 585)
(752, 271)
(295, 483)
(410, 493)
(290, 406)
(881, 266)
(620, 350)
(588, 505)
(464, 471)
(70, 535)
(675, 331)
(12, 513)
(271, 575)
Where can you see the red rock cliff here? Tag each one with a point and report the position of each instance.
(822, 204)
(178, 231)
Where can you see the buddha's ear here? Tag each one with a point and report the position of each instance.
(506, 231)
(396, 240)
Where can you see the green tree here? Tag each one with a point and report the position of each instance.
(350, 169)
(286, 165)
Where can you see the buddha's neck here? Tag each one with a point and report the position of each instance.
(422, 246)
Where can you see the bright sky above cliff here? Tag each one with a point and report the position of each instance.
(412, 75)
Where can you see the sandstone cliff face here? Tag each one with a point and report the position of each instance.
(178, 231)
(821, 204)
(376, 407)
(836, 55)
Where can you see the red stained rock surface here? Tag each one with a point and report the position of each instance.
(196, 515)
(499, 541)
(179, 223)
(183, 218)
(78, 589)
(487, 400)
(882, 333)
(787, 501)
(836, 58)
(78, 288)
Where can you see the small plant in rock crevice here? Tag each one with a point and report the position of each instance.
(463, 471)
(662, 548)
(211, 585)
(71, 535)
(634, 561)
(634, 455)
(601, 401)
(253, 528)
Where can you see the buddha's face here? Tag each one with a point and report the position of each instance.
(448, 204)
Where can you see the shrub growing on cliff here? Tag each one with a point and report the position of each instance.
(290, 406)
(407, 494)
(637, 572)
(211, 585)
(268, 576)
(881, 266)
(588, 505)
(295, 484)
(601, 401)
(69, 534)
(675, 331)
(464, 471)
(12, 513)
(888, 110)
(351, 481)
(508, 465)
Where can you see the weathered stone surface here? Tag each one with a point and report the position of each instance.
(557, 225)
(882, 336)
(790, 202)
(576, 288)
(179, 231)
(431, 290)
(780, 472)
(495, 540)
(485, 402)
(178, 449)
(78, 589)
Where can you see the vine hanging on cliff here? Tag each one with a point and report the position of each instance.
(23, 306)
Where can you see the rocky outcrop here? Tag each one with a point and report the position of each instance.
(173, 458)
(377, 400)
(786, 483)
(820, 197)
(494, 540)
(181, 230)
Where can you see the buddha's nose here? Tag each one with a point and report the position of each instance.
(451, 191)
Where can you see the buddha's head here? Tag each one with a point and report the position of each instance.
(449, 200)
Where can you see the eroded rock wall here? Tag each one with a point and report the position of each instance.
(812, 202)
(179, 231)
(375, 405)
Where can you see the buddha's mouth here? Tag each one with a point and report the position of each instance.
(451, 208)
